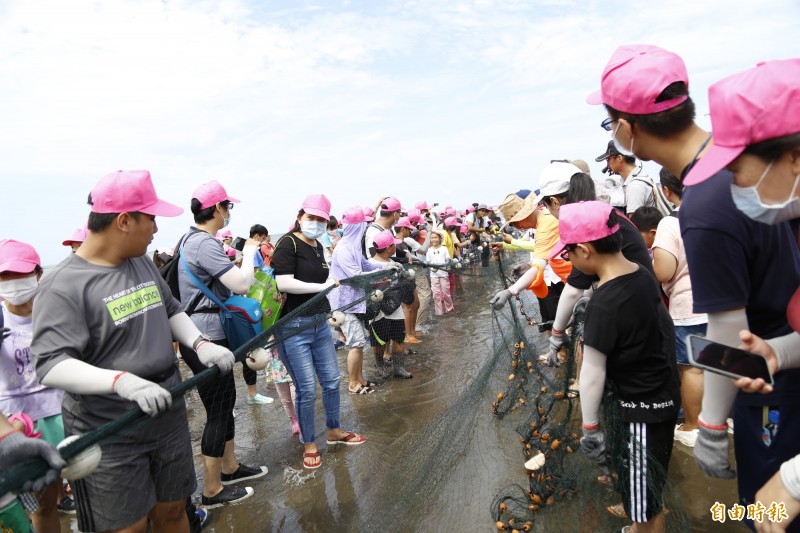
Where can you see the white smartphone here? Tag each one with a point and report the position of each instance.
(726, 360)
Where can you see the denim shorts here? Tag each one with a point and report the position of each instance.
(681, 333)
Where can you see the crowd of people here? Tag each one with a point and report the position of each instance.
(710, 249)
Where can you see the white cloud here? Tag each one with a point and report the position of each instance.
(449, 101)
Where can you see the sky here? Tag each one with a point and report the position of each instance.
(445, 101)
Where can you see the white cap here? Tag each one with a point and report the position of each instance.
(554, 179)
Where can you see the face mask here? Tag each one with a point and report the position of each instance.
(313, 229)
(621, 149)
(19, 291)
(226, 221)
(749, 202)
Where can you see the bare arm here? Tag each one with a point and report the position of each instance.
(665, 265)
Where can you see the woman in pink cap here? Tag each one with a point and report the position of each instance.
(308, 351)
(755, 116)
(21, 395)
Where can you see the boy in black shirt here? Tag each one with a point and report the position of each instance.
(629, 346)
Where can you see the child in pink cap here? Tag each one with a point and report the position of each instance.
(74, 242)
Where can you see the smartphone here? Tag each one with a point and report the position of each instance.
(238, 243)
(726, 360)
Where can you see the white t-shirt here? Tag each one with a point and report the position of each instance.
(679, 288)
(482, 222)
(638, 192)
(437, 256)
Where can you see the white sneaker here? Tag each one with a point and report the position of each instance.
(687, 438)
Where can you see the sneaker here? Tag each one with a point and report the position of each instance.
(226, 496)
(202, 515)
(243, 473)
(66, 505)
(687, 438)
(234, 413)
(259, 399)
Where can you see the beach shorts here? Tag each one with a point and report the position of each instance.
(354, 332)
(52, 429)
(681, 332)
(644, 472)
(148, 463)
(387, 329)
(13, 518)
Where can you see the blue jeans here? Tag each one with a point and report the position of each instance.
(681, 332)
(309, 351)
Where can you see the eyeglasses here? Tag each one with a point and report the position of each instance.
(606, 124)
(227, 204)
(564, 254)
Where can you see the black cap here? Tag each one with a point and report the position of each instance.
(611, 151)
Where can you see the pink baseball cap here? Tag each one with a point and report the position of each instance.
(18, 257)
(79, 235)
(464, 227)
(636, 75)
(450, 211)
(391, 204)
(582, 222)
(415, 216)
(385, 239)
(317, 205)
(369, 214)
(404, 222)
(451, 221)
(224, 234)
(125, 191)
(471, 209)
(353, 215)
(749, 107)
(422, 206)
(211, 193)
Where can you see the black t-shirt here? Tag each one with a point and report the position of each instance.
(306, 263)
(627, 321)
(633, 248)
(736, 262)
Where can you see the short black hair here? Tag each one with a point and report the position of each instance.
(201, 214)
(671, 182)
(629, 159)
(664, 124)
(100, 221)
(772, 149)
(610, 244)
(258, 229)
(333, 223)
(646, 218)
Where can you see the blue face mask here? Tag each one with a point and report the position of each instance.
(226, 221)
(313, 229)
(749, 202)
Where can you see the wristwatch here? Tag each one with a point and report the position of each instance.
(202, 337)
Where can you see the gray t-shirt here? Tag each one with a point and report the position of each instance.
(207, 260)
(116, 318)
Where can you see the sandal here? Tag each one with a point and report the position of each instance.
(371, 385)
(350, 439)
(308, 460)
(361, 389)
(617, 510)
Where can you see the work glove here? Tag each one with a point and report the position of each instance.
(500, 299)
(519, 270)
(593, 444)
(213, 354)
(397, 267)
(557, 340)
(711, 452)
(16, 448)
(152, 399)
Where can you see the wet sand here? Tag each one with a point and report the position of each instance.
(436, 456)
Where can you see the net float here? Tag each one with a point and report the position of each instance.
(501, 526)
(82, 464)
(258, 359)
(336, 319)
(377, 295)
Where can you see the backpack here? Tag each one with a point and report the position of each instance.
(170, 273)
(240, 316)
(661, 203)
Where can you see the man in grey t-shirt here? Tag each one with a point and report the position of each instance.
(103, 326)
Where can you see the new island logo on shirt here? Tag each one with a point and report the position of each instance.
(133, 302)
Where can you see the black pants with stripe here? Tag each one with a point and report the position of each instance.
(644, 473)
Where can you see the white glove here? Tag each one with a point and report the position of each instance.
(500, 299)
(152, 399)
(213, 354)
(397, 267)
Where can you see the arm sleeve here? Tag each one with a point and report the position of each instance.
(787, 350)
(569, 297)
(425, 245)
(719, 392)
(593, 379)
(78, 377)
(518, 244)
(183, 329)
(238, 280)
(288, 283)
(527, 278)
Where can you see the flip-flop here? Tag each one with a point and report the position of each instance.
(371, 385)
(307, 464)
(617, 510)
(361, 389)
(350, 439)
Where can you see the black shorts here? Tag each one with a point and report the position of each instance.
(644, 472)
(385, 330)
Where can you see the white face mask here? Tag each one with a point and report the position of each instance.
(313, 229)
(621, 149)
(749, 202)
(19, 291)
